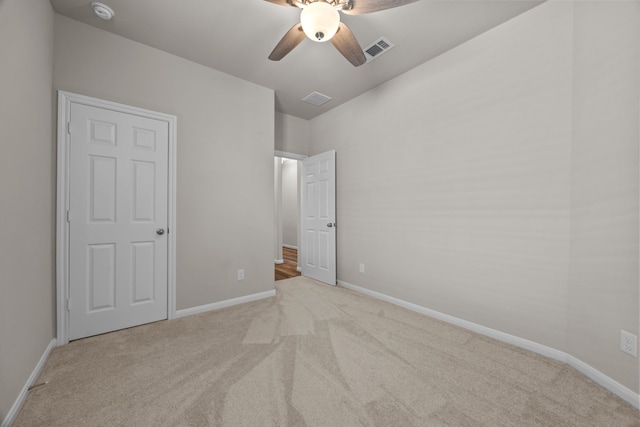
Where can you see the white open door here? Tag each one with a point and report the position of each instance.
(318, 239)
(118, 220)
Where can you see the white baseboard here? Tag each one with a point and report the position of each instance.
(15, 409)
(222, 304)
(289, 246)
(279, 261)
(610, 384)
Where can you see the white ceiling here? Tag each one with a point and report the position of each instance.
(236, 37)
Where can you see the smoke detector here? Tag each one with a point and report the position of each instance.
(102, 10)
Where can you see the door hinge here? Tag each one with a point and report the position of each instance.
(68, 216)
(68, 304)
(69, 128)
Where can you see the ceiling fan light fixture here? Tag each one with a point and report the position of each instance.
(319, 21)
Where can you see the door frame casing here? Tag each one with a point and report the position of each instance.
(278, 231)
(65, 99)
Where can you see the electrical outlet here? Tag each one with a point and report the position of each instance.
(361, 268)
(629, 343)
(241, 274)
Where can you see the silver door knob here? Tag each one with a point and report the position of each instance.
(160, 231)
(331, 224)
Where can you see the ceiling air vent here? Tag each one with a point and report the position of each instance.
(377, 48)
(317, 99)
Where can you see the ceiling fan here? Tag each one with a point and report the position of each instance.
(320, 21)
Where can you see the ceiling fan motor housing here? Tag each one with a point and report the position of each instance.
(319, 21)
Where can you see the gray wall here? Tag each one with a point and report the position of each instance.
(292, 134)
(603, 287)
(225, 153)
(498, 183)
(27, 192)
(290, 212)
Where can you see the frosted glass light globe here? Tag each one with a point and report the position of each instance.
(319, 21)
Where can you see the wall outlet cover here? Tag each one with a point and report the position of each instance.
(629, 343)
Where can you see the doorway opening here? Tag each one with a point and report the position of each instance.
(287, 215)
(315, 214)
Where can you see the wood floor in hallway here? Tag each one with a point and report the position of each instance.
(287, 269)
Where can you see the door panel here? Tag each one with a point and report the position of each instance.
(318, 218)
(102, 189)
(101, 284)
(118, 196)
(143, 260)
(144, 179)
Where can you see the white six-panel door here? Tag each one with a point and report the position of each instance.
(118, 169)
(318, 228)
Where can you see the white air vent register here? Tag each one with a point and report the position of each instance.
(377, 48)
(317, 99)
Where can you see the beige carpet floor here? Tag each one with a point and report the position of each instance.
(312, 356)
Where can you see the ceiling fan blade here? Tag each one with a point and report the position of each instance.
(360, 7)
(286, 44)
(348, 45)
